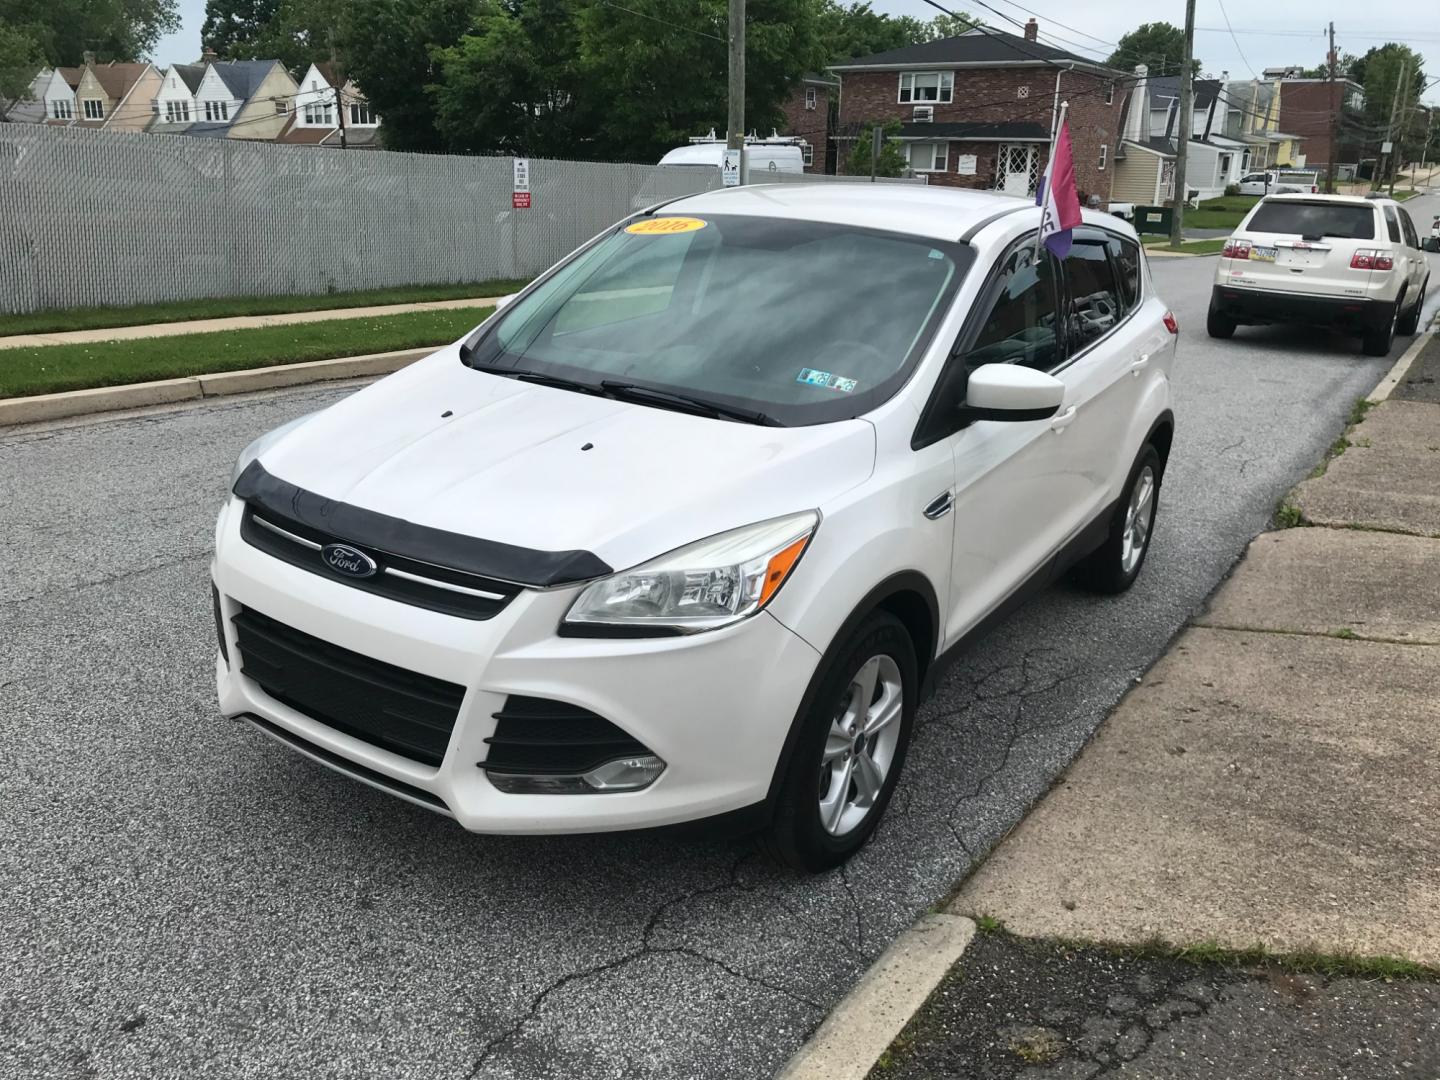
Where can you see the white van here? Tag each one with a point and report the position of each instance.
(782, 157)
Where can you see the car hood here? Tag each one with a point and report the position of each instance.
(447, 447)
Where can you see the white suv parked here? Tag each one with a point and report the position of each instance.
(690, 527)
(1337, 260)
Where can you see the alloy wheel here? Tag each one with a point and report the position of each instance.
(860, 746)
(1139, 516)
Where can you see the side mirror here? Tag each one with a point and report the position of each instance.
(501, 301)
(1011, 392)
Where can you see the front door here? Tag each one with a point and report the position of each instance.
(1016, 173)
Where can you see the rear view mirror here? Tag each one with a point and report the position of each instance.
(1011, 392)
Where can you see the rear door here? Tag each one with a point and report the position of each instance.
(1413, 251)
(1306, 246)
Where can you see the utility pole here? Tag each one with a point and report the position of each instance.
(1390, 130)
(735, 137)
(1337, 103)
(339, 95)
(1184, 123)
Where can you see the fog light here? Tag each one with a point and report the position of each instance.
(622, 774)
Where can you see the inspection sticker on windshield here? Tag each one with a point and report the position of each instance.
(665, 226)
(825, 380)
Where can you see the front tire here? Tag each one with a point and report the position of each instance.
(1218, 324)
(851, 748)
(1115, 564)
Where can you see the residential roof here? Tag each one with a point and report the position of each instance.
(978, 47)
(1167, 87)
(295, 135)
(117, 79)
(243, 77)
(331, 73)
(817, 78)
(355, 137)
(207, 130)
(72, 76)
(191, 74)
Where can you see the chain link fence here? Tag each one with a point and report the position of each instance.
(95, 218)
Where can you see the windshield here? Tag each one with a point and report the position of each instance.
(803, 322)
(1344, 220)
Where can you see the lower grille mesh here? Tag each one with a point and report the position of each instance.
(387, 706)
(541, 737)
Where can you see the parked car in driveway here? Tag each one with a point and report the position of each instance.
(1337, 260)
(690, 527)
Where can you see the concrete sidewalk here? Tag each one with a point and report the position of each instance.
(239, 322)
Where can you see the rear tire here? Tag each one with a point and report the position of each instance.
(1218, 324)
(1115, 564)
(830, 802)
(1378, 339)
(1409, 323)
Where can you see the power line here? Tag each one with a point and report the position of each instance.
(663, 22)
(1233, 38)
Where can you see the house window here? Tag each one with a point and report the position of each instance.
(810, 97)
(94, 109)
(217, 110)
(1225, 160)
(177, 112)
(62, 110)
(361, 113)
(927, 86)
(1110, 93)
(318, 113)
(281, 107)
(807, 154)
(928, 156)
(1104, 154)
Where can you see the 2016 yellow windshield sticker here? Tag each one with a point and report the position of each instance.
(665, 226)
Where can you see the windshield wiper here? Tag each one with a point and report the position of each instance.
(700, 406)
(559, 382)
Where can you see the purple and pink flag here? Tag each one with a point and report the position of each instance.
(1057, 198)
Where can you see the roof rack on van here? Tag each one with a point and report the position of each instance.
(752, 139)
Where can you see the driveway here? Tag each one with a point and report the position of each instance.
(181, 897)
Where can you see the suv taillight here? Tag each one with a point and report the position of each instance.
(1236, 249)
(1371, 259)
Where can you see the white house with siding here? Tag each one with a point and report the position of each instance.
(175, 105)
(59, 95)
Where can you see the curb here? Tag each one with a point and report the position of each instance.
(1402, 366)
(862, 1027)
(31, 410)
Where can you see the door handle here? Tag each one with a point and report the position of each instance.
(940, 506)
(1140, 364)
(1061, 422)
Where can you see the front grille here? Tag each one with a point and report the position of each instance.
(451, 592)
(536, 736)
(397, 710)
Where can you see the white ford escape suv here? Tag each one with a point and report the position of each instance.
(1337, 260)
(689, 527)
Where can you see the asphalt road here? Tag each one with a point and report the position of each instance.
(181, 897)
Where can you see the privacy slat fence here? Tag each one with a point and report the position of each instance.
(94, 218)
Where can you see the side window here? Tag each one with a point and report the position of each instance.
(1393, 224)
(1126, 256)
(1094, 305)
(1408, 227)
(1021, 326)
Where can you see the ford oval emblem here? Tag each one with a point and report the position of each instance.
(344, 559)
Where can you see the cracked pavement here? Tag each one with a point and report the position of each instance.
(179, 896)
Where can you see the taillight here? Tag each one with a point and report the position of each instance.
(1236, 249)
(1170, 323)
(1371, 259)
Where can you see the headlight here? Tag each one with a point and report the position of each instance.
(702, 586)
(263, 443)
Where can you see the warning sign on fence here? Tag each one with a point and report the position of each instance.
(520, 200)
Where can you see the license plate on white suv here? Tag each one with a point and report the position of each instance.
(1263, 254)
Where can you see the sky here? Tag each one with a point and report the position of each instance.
(1265, 35)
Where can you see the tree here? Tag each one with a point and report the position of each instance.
(233, 27)
(1379, 72)
(20, 60)
(892, 155)
(295, 32)
(1158, 45)
(948, 26)
(64, 30)
(857, 30)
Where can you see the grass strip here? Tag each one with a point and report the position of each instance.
(1191, 247)
(59, 320)
(48, 369)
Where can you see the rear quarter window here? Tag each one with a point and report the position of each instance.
(1314, 219)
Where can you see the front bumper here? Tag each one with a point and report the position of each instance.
(716, 707)
(1264, 306)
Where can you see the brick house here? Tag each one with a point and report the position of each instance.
(976, 110)
(810, 114)
(1308, 108)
